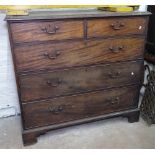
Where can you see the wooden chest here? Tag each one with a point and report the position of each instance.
(75, 67)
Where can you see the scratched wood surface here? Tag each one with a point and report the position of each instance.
(39, 86)
(68, 54)
(116, 26)
(44, 31)
(79, 106)
(64, 82)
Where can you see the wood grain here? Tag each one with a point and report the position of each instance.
(72, 14)
(43, 56)
(30, 135)
(75, 67)
(78, 80)
(103, 27)
(35, 31)
(81, 106)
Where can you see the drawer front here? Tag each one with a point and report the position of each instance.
(116, 26)
(53, 56)
(46, 31)
(76, 80)
(75, 107)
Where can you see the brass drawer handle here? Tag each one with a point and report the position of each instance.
(55, 110)
(114, 75)
(117, 25)
(117, 49)
(54, 55)
(54, 83)
(50, 30)
(114, 101)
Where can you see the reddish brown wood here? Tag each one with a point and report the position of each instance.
(77, 80)
(118, 26)
(79, 106)
(42, 130)
(77, 70)
(69, 54)
(44, 31)
(30, 138)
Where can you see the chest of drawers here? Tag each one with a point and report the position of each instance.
(75, 67)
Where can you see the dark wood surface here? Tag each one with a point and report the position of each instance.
(116, 26)
(79, 106)
(69, 54)
(62, 30)
(84, 67)
(30, 136)
(72, 14)
(45, 31)
(78, 80)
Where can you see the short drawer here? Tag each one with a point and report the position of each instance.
(75, 107)
(116, 26)
(68, 54)
(46, 31)
(80, 79)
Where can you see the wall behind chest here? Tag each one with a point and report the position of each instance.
(8, 93)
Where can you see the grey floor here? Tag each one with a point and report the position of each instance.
(111, 133)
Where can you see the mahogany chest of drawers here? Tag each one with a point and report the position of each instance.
(75, 67)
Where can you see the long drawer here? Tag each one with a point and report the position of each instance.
(68, 54)
(116, 26)
(46, 31)
(74, 107)
(80, 79)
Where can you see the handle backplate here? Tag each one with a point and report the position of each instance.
(114, 75)
(117, 25)
(54, 82)
(116, 49)
(53, 55)
(55, 110)
(50, 29)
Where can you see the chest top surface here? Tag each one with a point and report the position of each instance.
(64, 14)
